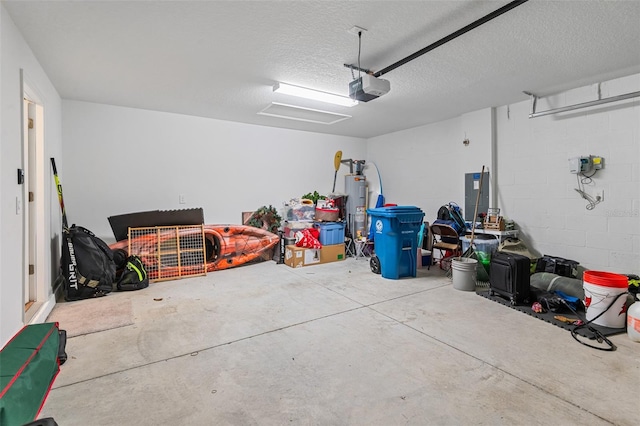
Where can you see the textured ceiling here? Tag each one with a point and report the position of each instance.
(220, 59)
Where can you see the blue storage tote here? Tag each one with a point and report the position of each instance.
(395, 239)
(330, 232)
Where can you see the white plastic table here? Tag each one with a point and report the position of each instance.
(499, 235)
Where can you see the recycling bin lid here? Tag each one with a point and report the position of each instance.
(392, 211)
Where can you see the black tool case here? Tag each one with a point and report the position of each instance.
(509, 276)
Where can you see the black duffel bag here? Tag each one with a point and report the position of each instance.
(558, 265)
(87, 266)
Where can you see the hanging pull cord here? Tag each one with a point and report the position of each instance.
(601, 338)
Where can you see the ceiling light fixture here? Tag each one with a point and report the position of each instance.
(293, 112)
(316, 95)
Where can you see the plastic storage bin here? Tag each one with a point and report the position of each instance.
(485, 246)
(395, 239)
(290, 228)
(483, 243)
(330, 233)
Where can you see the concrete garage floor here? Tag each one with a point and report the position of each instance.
(335, 344)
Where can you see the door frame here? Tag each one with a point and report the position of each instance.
(43, 297)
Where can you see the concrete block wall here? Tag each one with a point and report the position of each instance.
(536, 189)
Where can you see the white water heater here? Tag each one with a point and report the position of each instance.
(355, 187)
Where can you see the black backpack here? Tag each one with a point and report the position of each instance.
(451, 214)
(134, 275)
(87, 267)
(443, 213)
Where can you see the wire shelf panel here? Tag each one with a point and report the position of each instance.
(170, 252)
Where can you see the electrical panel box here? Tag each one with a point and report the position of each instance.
(471, 188)
(585, 164)
(598, 162)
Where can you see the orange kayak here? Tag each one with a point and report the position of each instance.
(226, 246)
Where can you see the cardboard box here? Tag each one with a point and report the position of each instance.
(332, 253)
(297, 257)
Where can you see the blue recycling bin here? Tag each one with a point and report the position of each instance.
(395, 240)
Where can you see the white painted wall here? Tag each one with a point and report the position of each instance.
(15, 54)
(123, 160)
(537, 190)
(4, 335)
(425, 166)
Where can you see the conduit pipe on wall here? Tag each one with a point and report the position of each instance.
(534, 100)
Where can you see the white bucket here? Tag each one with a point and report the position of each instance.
(464, 273)
(633, 321)
(600, 290)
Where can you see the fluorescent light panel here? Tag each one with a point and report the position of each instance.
(316, 95)
(292, 112)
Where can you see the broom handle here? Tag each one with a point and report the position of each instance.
(475, 213)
